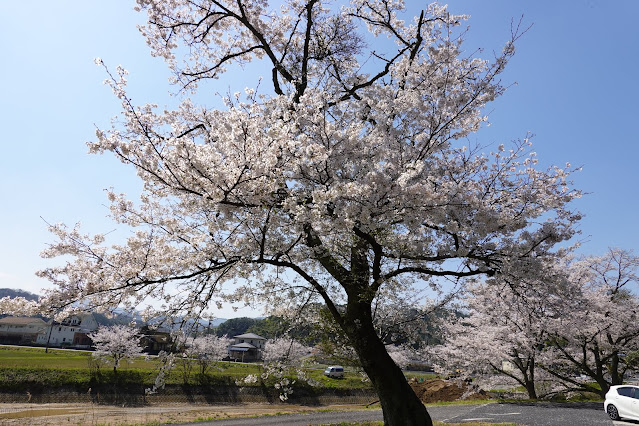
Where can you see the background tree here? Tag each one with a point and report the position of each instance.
(283, 359)
(351, 173)
(597, 334)
(273, 327)
(401, 356)
(284, 349)
(504, 332)
(235, 326)
(116, 343)
(270, 327)
(572, 319)
(208, 349)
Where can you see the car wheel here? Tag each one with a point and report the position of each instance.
(613, 412)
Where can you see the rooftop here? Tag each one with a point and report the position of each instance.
(249, 336)
(21, 321)
(242, 346)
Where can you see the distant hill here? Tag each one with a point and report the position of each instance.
(119, 317)
(115, 319)
(12, 293)
(201, 324)
(123, 317)
(216, 322)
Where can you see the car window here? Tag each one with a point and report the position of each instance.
(625, 391)
(636, 393)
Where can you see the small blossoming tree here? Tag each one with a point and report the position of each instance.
(116, 343)
(207, 349)
(283, 361)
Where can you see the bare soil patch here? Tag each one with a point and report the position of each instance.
(93, 414)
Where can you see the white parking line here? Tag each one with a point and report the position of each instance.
(477, 419)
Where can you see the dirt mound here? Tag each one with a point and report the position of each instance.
(438, 390)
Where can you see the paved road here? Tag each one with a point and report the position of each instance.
(540, 414)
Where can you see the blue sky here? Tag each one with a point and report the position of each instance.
(576, 90)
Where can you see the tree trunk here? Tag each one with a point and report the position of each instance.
(601, 380)
(529, 377)
(613, 367)
(605, 387)
(400, 404)
(530, 388)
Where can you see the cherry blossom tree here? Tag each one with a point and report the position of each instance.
(400, 355)
(116, 343)
(284, 349)
(345, 172)
(283, 361)
(598, 333)
(574, 318)
(504, 333)
(207, 349)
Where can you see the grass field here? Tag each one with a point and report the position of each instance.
(22, 367)
(16, 356)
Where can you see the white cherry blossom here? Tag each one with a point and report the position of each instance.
(116, 344)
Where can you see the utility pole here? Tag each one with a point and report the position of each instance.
(46, 349)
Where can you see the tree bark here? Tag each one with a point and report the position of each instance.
(605, 387)
(530, 388)
(613, 367)
(400, 404)
(528, 372)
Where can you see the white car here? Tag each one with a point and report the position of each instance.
(334, 371)
(622, 401)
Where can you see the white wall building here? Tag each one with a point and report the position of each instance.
(71, 331)
(21, 330)
(247, 347)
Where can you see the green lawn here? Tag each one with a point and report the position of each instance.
(13, 356)
(21, 366)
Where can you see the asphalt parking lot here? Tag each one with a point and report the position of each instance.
(532, 414)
